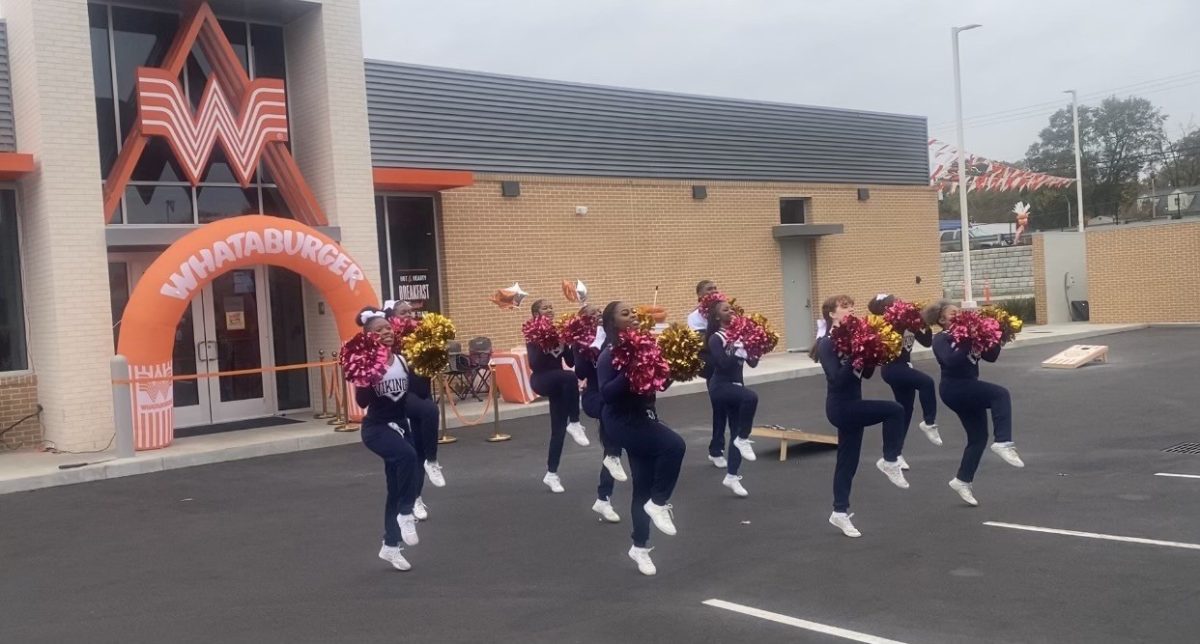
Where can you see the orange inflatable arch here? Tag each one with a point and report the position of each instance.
(168, 286)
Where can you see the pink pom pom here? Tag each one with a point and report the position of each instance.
(856, 340)
(364, 359)
(980, 332)
(904, 316)
(579, 332)
(638, 356)
(539, 331)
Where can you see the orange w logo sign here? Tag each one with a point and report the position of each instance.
(260, 119)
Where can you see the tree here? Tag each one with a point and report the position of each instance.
(1119, 140)
(1180, 162)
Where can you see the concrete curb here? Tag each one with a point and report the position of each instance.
(148, 462)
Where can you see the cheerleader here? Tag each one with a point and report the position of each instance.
(422, 414)
(561, 387)
(698, 321)
(971, 398)
(655, 452)
(384, 431)
(727, 391)
(907, 381)
(850, 414)
(593, 406)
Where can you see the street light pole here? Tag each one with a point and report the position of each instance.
(965, 233)
(1078, 165)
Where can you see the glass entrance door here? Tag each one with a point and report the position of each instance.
(225, 328)
(235, 340)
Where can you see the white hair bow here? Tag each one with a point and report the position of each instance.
(821, 328)
(368, 315)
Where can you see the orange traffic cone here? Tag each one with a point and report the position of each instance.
(987, 292)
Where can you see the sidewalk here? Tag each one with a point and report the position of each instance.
(30, 470)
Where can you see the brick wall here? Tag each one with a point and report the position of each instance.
(1039, 278)
(639, 234)
(1007, 271)
(1144, 273)
(18, 399)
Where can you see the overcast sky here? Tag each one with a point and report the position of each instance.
(885, 55)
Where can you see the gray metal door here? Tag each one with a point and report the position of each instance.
(797, 293)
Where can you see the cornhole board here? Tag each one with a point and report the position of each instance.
(786, 434)
(1077, 356)
(512, 376)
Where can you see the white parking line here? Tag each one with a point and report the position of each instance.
(799, 623)
(1095, 535)
(1179, 476)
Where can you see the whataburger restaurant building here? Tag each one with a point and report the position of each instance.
(217, 187)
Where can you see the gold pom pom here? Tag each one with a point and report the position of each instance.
(425, 347)
(892, 340)
(680, 347)
(645, 320)
(772, 334)
(1010, 325)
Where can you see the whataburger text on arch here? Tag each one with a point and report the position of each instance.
(272, 241)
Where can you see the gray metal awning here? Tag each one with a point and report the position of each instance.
(793, 231)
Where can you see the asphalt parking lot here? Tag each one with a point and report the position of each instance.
(282, 548)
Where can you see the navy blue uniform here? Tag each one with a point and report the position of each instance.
(971, 398)
(716, 445)
(593, 406)
(727, 391)
(422, 414)
(561, 388)
(907, 381)
(850, 414)
(655, 452)
(385, 431)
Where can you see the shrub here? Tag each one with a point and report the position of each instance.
(1022, 307)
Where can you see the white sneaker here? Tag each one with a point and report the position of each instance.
(551, 480)
(1008, 452)
(420, 510)
(903, 463)
(841, 521)
(734, 483)
(932, 433)
(743, 445)
(605, 509)
(408, 529)
(392, 555)
(576, 432)
(642, 557)
(964, 491)
(893, 472)
(613, 465)
(719, 461)
(434, 470)
(661, 516)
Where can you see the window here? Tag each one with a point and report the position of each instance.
(13, 356)
(410, 258)
(793, 210)
(125, 38)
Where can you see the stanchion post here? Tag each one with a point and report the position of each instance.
(122, 405)
(324, 390)
(342, 419)
(444, 437)
(494, 394)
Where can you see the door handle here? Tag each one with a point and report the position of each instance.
(808, 304)
(202, 356)
(211, 355)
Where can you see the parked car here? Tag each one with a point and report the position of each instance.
(951, 240)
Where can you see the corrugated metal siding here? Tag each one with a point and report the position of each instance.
(8, 130)
(425, 117)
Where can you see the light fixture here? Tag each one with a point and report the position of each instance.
(510, 189)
